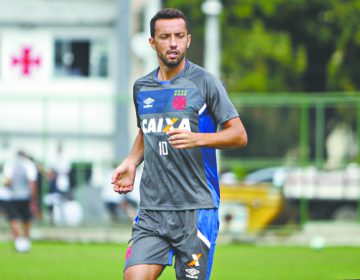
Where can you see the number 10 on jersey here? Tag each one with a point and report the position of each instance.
(163, 148)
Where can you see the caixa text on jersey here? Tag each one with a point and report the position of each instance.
(153, 125)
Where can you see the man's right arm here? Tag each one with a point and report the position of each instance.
(124, 175)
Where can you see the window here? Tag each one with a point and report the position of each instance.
(81, 58)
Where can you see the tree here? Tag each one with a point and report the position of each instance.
(284, 45)
(320, 26)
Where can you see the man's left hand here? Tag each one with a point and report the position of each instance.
(183, 139)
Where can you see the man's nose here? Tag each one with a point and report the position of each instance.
(173, 42)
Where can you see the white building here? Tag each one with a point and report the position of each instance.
(59, 75)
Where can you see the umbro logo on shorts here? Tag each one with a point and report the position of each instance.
(191, 273)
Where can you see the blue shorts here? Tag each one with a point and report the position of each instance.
(189, 235)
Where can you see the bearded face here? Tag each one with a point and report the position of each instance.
(170, 41)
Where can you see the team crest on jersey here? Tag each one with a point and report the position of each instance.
(179, 99)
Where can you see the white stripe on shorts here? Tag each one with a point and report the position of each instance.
(203, 238)
(202, 109)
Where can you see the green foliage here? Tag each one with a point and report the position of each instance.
(282, 45)
(262, 61)
(343, 67)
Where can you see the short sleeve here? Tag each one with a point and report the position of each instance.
(135, 93)
(218, 101)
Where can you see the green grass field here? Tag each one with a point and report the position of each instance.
(60, 261)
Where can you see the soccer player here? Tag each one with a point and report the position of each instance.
(178, 106)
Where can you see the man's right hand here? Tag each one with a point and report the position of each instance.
(123, 178)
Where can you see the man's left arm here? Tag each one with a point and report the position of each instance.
(232, 135)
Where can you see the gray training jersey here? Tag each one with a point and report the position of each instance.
(180, 179)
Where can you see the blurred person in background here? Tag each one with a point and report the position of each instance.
(20, 177)
(5, 194)
(59, 180)
(127, 204)
(178, 107)
(112, 202)
(61, 167)
(40, 179)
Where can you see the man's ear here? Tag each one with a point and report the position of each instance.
(152, 42)
(189, 41)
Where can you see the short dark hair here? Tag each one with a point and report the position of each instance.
(166, 13)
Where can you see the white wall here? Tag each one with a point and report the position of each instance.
(38, 111)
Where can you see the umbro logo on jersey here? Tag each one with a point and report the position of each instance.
(148, 102)
(191, 273)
